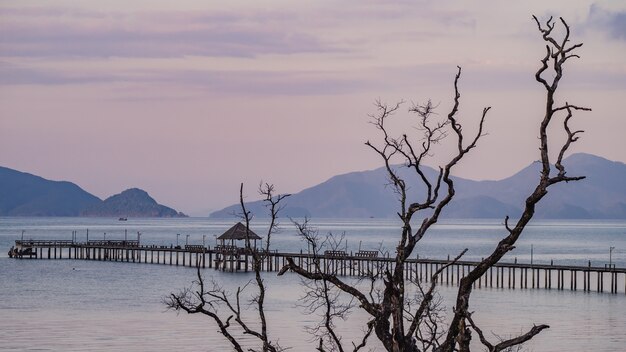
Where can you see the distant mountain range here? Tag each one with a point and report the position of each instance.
(24, 194)
(602, 195)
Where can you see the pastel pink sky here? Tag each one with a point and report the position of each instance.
(187, 99)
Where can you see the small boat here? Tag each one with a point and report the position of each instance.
(122, 219)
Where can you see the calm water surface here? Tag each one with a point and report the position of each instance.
(71, 305)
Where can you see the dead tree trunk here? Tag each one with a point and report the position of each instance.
(396, 323)
(404, 323)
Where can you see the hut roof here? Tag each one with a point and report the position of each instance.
(238, 232)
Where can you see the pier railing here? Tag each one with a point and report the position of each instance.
(362, 263)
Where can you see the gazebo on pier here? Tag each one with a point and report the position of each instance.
(229, 253)
(237, 233)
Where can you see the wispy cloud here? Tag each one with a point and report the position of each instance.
(75, 32)
(71, 33)
(612, 22)
(218, 82)
(261, 83)
(11, 74)
(43, 43)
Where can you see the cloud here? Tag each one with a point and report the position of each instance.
(51, 32)
(261, 83)
(72, 33)
(340, 50)
(252, 82)
(11, 74)
(218, 82)
(613, 23)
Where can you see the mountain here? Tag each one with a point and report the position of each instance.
(132, 202)
(23, 194)
(602, 195)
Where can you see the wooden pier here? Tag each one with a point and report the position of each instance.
(363, 263)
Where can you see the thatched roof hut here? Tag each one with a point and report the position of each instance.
(238, 232)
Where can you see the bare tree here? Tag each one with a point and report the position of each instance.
(321, 295)
(557, 54)
(215, 300)
(403, 314)
(398, 324)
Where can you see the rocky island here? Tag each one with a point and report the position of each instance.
(133, 202)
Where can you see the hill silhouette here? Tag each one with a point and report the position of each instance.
(132, 202)
(24, 194)
(602, 195)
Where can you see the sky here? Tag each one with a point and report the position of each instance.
(188, 99)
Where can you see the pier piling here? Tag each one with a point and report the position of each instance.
(363, 263)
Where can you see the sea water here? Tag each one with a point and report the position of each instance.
(77, 305)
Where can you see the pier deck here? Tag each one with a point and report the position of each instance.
(227, 258)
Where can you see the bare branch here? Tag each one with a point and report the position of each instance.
(508, 243)
(207, 301)
(399, 320)
(194, 303)
(428, 295)
(505, 344)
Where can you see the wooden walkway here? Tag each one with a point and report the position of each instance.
(362, 263)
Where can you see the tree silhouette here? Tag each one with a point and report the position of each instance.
(403, 314)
